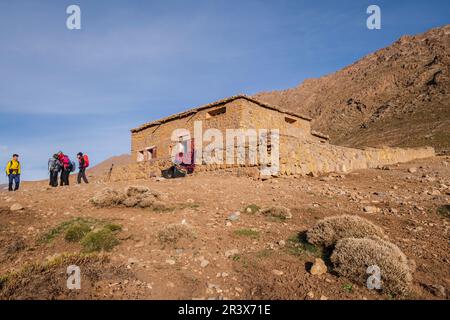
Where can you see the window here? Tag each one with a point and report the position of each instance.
(140, 156)
(290, 120)
(216, 112)
(151, 153)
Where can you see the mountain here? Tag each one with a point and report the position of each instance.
(105, 165)
(397, 96)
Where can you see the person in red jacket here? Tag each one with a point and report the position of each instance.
(65, 168)
(83, 163)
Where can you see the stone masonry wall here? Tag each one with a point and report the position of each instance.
(300, 157)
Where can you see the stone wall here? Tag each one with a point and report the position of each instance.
(306, 156)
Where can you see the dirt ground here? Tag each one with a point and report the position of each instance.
(248, 256)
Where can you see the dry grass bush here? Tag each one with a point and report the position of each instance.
(351, 258)
(133, 196)
(330, 230)
(173, 233)
(108, 198)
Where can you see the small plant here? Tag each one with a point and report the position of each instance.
(263, 253)
(99, 240)
(160, 207)
(444, 211)
(65, 226)
(92, 234)
(348, 287)
(76, 231)
(297, 245)
(113, 227)
(173, 233)
(277, 213)
(236, 257)
(189, 206)
(247, 233)
(251, 209)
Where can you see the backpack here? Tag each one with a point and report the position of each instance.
(72, 166)
(53, 164)
(10, 165)
(86, 161)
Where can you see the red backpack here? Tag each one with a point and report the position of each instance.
(86, 160)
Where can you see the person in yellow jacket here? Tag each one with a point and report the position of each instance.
(13, 172)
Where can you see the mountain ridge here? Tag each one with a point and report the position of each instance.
(396, 96)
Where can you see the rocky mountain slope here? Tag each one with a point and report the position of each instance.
(397, 96)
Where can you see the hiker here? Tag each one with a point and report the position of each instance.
(54, 166)
(13, 173)
(179, 169)
(65, 168)
(83, 163)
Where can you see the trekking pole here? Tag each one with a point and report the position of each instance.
(110, 171)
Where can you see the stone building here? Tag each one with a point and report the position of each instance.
(301, 150)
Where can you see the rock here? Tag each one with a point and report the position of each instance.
(310, 295)
(232, 252)
(277, 272)
(139, 244)
(412, 170)
(322, 297)
(234, 216)
(371, 209)
(281, 243)
(16, 207)
(204, 263)
(318, 268)
(170, 261)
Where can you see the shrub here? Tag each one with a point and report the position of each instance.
(351, 258)
(251, 209)
(297, 246)
(277, 212)
(330, 230)
(247, 233)
(74, 225)
(108, 198)
(76, 231)
(444, 211)
(133, 196)
(172, 233)
(98, 240)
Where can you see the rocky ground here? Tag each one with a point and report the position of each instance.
(206, 238)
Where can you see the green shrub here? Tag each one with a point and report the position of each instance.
(251, 209)
(99, 240)
(76, 231)
(247, 233)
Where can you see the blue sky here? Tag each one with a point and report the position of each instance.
(136, 61)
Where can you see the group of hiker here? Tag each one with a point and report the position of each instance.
(59, 166)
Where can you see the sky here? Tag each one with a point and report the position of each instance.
(136, 61)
